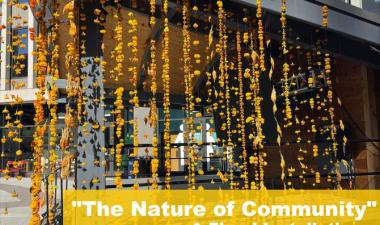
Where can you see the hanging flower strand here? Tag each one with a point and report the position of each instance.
(241, 109)
(258, 158)
(166, 90)
(325, 14)
(39, 119)
(73, 83)
(221, 49)
(278, 127)
(188, 77)
(259, 120)
(230, 145)
(132, 45)
(153, 109)
(285, 66)
(118, 56)
(258, 141)
(53, 105)
(251, 120)
(117, 52)
(331, 109)
(119, 107)
(260, 35)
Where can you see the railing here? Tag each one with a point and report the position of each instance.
(57, 199)
(300, 84)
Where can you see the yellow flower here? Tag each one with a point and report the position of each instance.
(5, 110)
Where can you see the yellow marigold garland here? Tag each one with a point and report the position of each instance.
(117, 52)
(71, 64)
(153, 109)
(53, 70)
(241, 109)
(325, 14)
(331, 109)
(221, 49)
(118, 112)
(258, 158)
(38, 137)
(260, 35)
(133, 45)
(188, 78)
(166, 90)
(285, 66)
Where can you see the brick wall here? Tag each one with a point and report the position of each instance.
(349, 88)
(358, 86)
(377, 93)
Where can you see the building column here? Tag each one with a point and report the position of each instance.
(91, 139)
(5, 40)
(31, 25)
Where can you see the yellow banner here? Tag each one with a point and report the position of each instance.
(221, 207)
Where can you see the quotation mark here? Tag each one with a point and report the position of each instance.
(76, 204)
(371, 203)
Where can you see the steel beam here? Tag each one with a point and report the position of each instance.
(310, 12)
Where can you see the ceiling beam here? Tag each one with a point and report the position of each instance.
(345, 21)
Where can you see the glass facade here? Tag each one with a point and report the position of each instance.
(20, 53)
(372, 6)
(369, 5)
(16, 69)
(209, 155)
(19, 38)
(204, 136)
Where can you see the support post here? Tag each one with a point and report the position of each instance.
(91, 139)
(5, 40)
